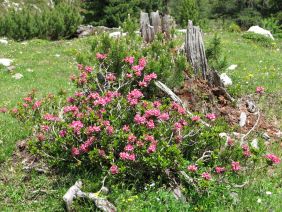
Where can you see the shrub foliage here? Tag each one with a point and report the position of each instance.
(60, 22)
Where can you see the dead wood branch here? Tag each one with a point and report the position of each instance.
(175, 98)
(75, 191)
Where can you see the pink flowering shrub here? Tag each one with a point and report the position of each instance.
(116, 125)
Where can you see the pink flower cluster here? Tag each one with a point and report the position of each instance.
(36, 105)
(147, 79)
(178, 108)
(219, 169)
(195, 118)
(211, 116)
(259, 89)
(50, 117)
(110, 77)
(273, 158)
(76, 125)
(114, 169)
(235, 166)
(206, 176)
(140, 67)
(73, 109)
(129, 60)
(134, 96)
(192, 168)
(100, 56)
(93, 129)
(246, 150)
(127, 156)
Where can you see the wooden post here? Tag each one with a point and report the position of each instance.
(156, 21)
(167, 25)
(147, 31)
(195, 51)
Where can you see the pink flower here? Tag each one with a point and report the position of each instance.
(36, 105)
(154, 112)
(102, 153)
(131, 157)
(40, 137)
(177, 107)
(125, 128)
(142, 62)
(152, 148)
(143, 84)
(178, 139)
(128, 148)
(45, 128)
(153, 75)
(70, 99)
(129, 76)
(75, 151)
(88, 69)
(76, 125)
(3, 110)
(259, 89)
(211, 116)
(110, 77)
(106, 123)
(150, 138)
(15, 110)
(245, 147)
(138, 73)
(79, 66)
(235, 166)
(100, 56)
(131, 138)
(273, 158)
(70, 109)
(50, 117)
(206, 176)
(192, 168)
(247, 153)
(129, 60)
(27, 99)
(92, 129)
(63, 133)
(134, 96)
(157, 104)
(114, 169)
(178, 126)
(230, 142)
(124, 155)
(219, 169)
(110, 130)
(139, 119)
(150, 124)
(195, 118)
(163, 117)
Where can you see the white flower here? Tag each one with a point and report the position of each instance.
(268, 192)
(259, 200)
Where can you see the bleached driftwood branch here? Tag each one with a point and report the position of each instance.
(253, 128)
(175, 98)
(75, 191)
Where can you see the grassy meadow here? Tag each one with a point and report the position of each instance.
(46, 67)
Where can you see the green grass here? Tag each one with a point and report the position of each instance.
(30, 191)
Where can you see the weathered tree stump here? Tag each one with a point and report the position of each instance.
(167, 25)
(156, 21)
(195, 51)
(147, 31)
